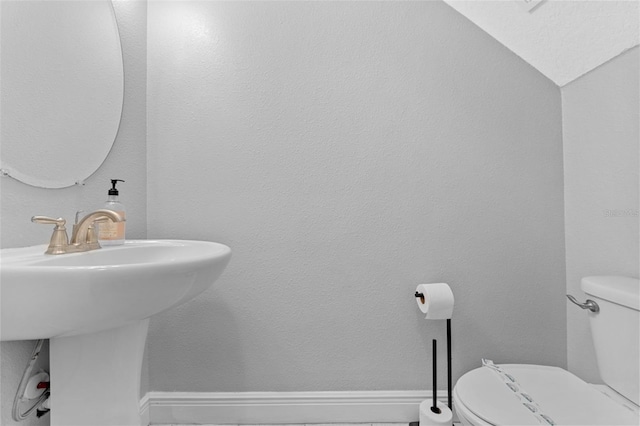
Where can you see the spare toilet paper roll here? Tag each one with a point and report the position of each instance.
(429, 418)
(437, 302)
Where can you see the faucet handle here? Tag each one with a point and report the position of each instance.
(92, 232)
(59, 239)
(59, 222)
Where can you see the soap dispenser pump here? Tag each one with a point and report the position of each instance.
(111, 233)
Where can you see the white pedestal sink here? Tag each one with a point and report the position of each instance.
(95, 308)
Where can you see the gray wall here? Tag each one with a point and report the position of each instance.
(347, 151)
(600, 130)
(127, 161)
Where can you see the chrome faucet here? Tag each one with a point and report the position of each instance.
(83, 237)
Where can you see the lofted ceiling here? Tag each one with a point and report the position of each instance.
(563, 39)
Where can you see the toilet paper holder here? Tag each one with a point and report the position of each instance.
(420, 296)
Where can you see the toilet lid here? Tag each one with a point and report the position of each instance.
(556, 393)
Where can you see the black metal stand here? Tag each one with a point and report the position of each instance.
(449, 384)
(434, 406)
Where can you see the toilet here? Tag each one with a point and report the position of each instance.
(521, 394)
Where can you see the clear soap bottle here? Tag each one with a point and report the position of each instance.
(112, 233)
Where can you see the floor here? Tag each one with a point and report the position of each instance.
(319, 424)
(310, 424)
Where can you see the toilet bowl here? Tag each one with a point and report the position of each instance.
(521, 394)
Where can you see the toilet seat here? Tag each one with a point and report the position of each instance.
(482, 397)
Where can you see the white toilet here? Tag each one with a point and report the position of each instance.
(518, 394)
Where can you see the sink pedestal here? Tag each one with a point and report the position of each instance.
(95, 378)
(100, 299)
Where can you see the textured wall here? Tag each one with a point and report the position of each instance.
(347, 151)
(600, 126)
(127, 160)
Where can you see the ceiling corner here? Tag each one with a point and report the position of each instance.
(562, 39)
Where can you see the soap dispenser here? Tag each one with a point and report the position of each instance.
(112, 233)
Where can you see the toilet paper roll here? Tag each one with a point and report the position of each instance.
(437, 302)
(429, 418)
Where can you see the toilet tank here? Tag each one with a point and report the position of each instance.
(616, 331)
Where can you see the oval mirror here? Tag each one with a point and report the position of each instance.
(62, 85)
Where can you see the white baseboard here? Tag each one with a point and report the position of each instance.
(282, 407)
(144, 410)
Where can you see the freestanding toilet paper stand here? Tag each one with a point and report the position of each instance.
(449, 379)
(421, 297)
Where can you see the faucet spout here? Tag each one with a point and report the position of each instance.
(80, 231)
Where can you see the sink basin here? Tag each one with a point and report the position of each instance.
(46, 296)
(95, 308)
